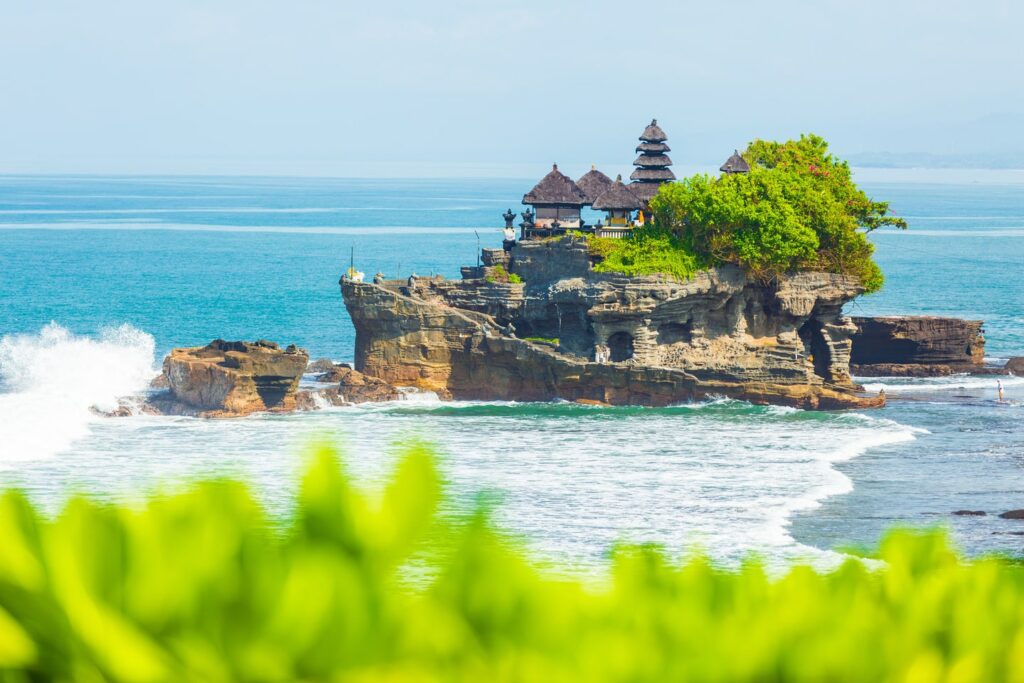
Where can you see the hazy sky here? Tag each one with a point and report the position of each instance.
(424, 88)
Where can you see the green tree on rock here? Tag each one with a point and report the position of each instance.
(797, 209)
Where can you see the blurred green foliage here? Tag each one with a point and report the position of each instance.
(200, 587)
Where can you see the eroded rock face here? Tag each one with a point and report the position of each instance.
(1016, 366)
(916, 346)
(230, 379)
(658, 341)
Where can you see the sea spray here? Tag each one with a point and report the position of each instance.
(51, 381)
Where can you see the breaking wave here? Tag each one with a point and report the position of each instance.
(50, 381)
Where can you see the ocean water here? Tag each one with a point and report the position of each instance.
(99, 277)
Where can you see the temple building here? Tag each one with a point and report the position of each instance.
(620, 203)
(556, 201)
(593, 183)
(735, 164)
(652, 166)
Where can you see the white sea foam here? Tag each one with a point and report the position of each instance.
(50, 381)
(916, 385)
(572, 480)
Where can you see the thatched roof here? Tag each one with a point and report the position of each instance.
(644, 191)
(653, 147)
(653, 133)
(652, 161)
(735, 164)
(555, 188)
(618, 198)
(654, 174)
(593, 183)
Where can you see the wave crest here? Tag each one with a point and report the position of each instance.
(49, 382)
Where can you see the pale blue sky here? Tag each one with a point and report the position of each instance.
(425, 88)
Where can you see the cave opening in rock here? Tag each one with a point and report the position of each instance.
(272, 390)
(675, 333)
(814, 343)
(620, 346)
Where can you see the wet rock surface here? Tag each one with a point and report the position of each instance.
(352, 388)
(916, 346)
(230, 379)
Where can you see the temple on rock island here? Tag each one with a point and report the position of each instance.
(537, 320)
(556, 202)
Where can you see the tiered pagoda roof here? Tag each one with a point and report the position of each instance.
(618, 197)
(652, 166)
(555, 189)
(735, 164)
(593, 183)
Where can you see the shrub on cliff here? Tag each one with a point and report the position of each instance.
(200, 586)
(797, 209)
(645, 252)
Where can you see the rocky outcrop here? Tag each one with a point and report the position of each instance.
(621, 340)
(351, 387)
(916, 346)
(231, 379)
(1016, 366)
(320, 365)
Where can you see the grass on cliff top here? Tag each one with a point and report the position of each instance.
(199, 586)
(646, 251)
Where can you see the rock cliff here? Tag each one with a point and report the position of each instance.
(916, 346)
(621, 340)
(229, 379)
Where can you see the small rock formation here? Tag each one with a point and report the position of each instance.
(916, 346)
(1013, 514)
(718, 334)
(1016, 366)
(353, 387)
(969, 513)
(320, 365)
(340, 372)
(231, 379)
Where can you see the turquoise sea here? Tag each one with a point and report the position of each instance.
(100, 276)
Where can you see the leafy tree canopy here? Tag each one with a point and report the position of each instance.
(797, 209)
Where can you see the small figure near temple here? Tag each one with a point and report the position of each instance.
(509, 217)
(509, 238)
(735, 164)
(378, 279)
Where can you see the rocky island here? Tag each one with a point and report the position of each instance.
(712, 286)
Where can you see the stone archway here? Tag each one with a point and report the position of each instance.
(814, 342)
(620, 347)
